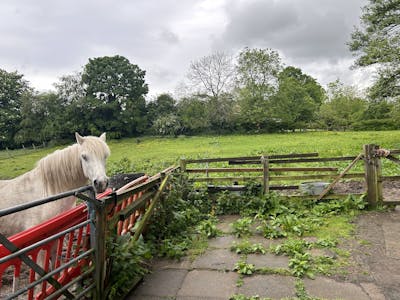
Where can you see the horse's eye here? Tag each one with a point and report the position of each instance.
(84, 157)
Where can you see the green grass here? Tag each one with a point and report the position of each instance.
(152, 154)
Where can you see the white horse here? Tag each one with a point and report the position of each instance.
(58, 172)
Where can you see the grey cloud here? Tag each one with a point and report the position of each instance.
(54, 34)
(308, 30)
(169, 37)
(47, 38)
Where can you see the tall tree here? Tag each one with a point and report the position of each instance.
(12, 90)
(257, 70)
(297, 100)
(377, 42)
(342, 107)
(257, 80)
(70, 88)
(193, 114)
(43, 118)
(162, 105)
(212, 75)
(119, 88)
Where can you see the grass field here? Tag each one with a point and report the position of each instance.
(151, 154)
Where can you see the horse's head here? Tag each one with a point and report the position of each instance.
(93, 153)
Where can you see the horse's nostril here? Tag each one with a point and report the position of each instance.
(95, 182)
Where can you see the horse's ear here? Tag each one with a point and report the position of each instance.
(79, 138)
(103, 136)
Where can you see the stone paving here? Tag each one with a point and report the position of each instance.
(211, 276)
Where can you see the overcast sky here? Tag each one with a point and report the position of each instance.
(45, 39)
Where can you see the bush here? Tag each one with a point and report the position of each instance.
(375, 124)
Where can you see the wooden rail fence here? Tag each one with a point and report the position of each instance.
(287, 172)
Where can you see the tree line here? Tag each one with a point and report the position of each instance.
(253, 92)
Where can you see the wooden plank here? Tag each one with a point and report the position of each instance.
(284, 178)
(304, 169)
(212, 179)
(283, 187)
(308, 160)
(239, 188)
(390, 177)
(392, 158)
(300, 160)
(325, 192)
(249, 170)
(224, 170)
(328, 196)
(391, 202)
(314, 177)
(204, 160)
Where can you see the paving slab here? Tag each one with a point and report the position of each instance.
(216, 259)
(160, 283)
(259, 239)
(222, 242)
(271, 286)
(330, 289)
(165, 263)
(225, 222)
(268, 260)
(142, 297)
(373, 291)
(209, 284)
(391, 233)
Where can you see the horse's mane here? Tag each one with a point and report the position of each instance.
(60, 167)
(62, 170)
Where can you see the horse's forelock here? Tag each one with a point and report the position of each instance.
(95, 146)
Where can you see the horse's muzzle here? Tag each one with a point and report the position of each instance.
(100, 184)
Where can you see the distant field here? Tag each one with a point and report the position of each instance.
(150, 154)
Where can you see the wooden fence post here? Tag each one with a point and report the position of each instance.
(183, 165)
(265, 163)
(373, 175)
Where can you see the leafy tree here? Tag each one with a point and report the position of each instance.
(42, 119)
(377, 42)
(297, 99)
(257, 80)
(257, 70)
(163, 105)
(193, 114)
(70, 88)
(12, 90)
(220, 113)
(342, 108)
(117, 89)
(167, 125)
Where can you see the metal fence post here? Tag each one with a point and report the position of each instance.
(98, 242)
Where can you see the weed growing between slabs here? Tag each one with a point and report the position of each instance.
(186, 218)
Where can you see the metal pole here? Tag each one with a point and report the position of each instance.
(98, 241)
